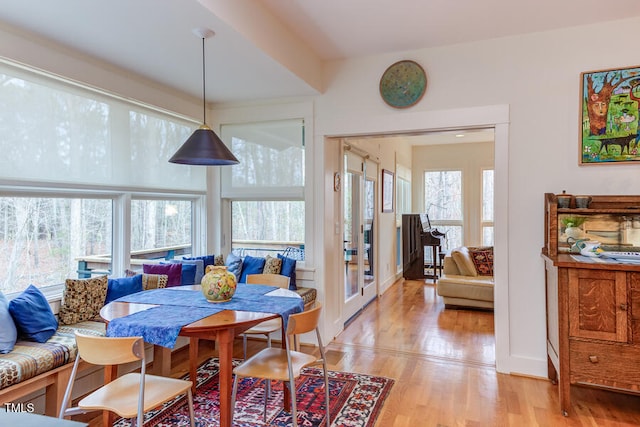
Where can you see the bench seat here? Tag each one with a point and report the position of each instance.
(308, 295)
(31, 366)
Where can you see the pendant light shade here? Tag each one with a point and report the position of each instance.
(204, 147)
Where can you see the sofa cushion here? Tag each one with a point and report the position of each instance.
(120, 287)
(173, 271)
(465, 287)
(199, 263)
(234, 264)
(251, 265)
(8, 331)
(289, 269)
(150, 281)
(32, 315)
(206, 260)
(82, 299)
(219, 260)
(464, 262)
(188, 271)
(29, 359)
(272, 265)
(482, 259)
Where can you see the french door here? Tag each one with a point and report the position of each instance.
(359, 250)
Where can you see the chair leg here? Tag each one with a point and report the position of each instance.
(326, 391)
(244, 346)
(268, 382)
(234, 390)
(264, 413)
(192, 421)
(294, 411)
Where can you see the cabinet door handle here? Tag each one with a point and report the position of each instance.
(593, 359)
(623, 307)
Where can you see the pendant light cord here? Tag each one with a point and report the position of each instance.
(204, 100)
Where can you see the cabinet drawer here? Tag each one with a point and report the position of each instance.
(611, 365)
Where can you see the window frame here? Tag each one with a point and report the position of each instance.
(121, 218)
(222, 224)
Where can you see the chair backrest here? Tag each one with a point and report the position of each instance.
(109, 350)
(269, 279)
(305, 321)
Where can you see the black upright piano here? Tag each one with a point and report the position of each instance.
(417, 234)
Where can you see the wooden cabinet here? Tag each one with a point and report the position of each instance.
(598, 304)
(593, 309)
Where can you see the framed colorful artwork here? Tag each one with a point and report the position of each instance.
(387, 191)
(610, 105)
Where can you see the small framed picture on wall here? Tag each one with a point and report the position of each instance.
(387, 191)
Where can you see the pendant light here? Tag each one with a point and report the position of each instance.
(204, 147)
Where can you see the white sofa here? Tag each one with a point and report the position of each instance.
(461, 284)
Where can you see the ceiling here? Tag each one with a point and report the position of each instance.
(153, 39)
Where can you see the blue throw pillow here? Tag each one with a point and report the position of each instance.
(8, 332)
(33, 316)
(251, 265)
(117, 288)
(234, 264)
(188, 274)
(206, 260)
(199, 269)
(289, 269)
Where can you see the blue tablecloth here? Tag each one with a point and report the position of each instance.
(178, 307)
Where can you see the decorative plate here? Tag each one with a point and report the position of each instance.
(403, 84)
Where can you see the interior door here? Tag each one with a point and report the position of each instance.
(359, 251)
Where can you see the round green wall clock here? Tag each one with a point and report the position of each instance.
(403, 84)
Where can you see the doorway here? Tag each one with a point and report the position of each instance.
(358, 231)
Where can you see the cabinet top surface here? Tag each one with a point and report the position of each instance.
(566, 261)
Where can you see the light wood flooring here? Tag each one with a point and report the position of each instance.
(443, 362)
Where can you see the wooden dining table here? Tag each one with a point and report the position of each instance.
(222, 327)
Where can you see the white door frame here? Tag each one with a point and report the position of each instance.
(496, 116)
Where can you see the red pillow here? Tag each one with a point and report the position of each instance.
(173, 271)
(482, 258)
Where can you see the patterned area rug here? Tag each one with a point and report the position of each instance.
(354, 399)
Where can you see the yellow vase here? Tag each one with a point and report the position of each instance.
(219, 284)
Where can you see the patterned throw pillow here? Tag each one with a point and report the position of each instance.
(150, 281)
(82, 299)
(154, 281)
(272, 265)
(219, 260)
(482, 258)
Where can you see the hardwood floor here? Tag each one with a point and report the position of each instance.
(443, 361)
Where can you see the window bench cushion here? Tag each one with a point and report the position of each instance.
(29, 359)
(308, 295)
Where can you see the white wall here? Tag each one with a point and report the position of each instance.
(537, 76)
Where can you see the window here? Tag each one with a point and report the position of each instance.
(487, 207)
(160, 229)
(47, 240)
(443, 204)
(262, 228)
(265, 191)
(103, 157)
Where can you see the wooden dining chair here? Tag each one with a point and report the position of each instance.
(130, 395)
(267, 327)
(286, 364)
